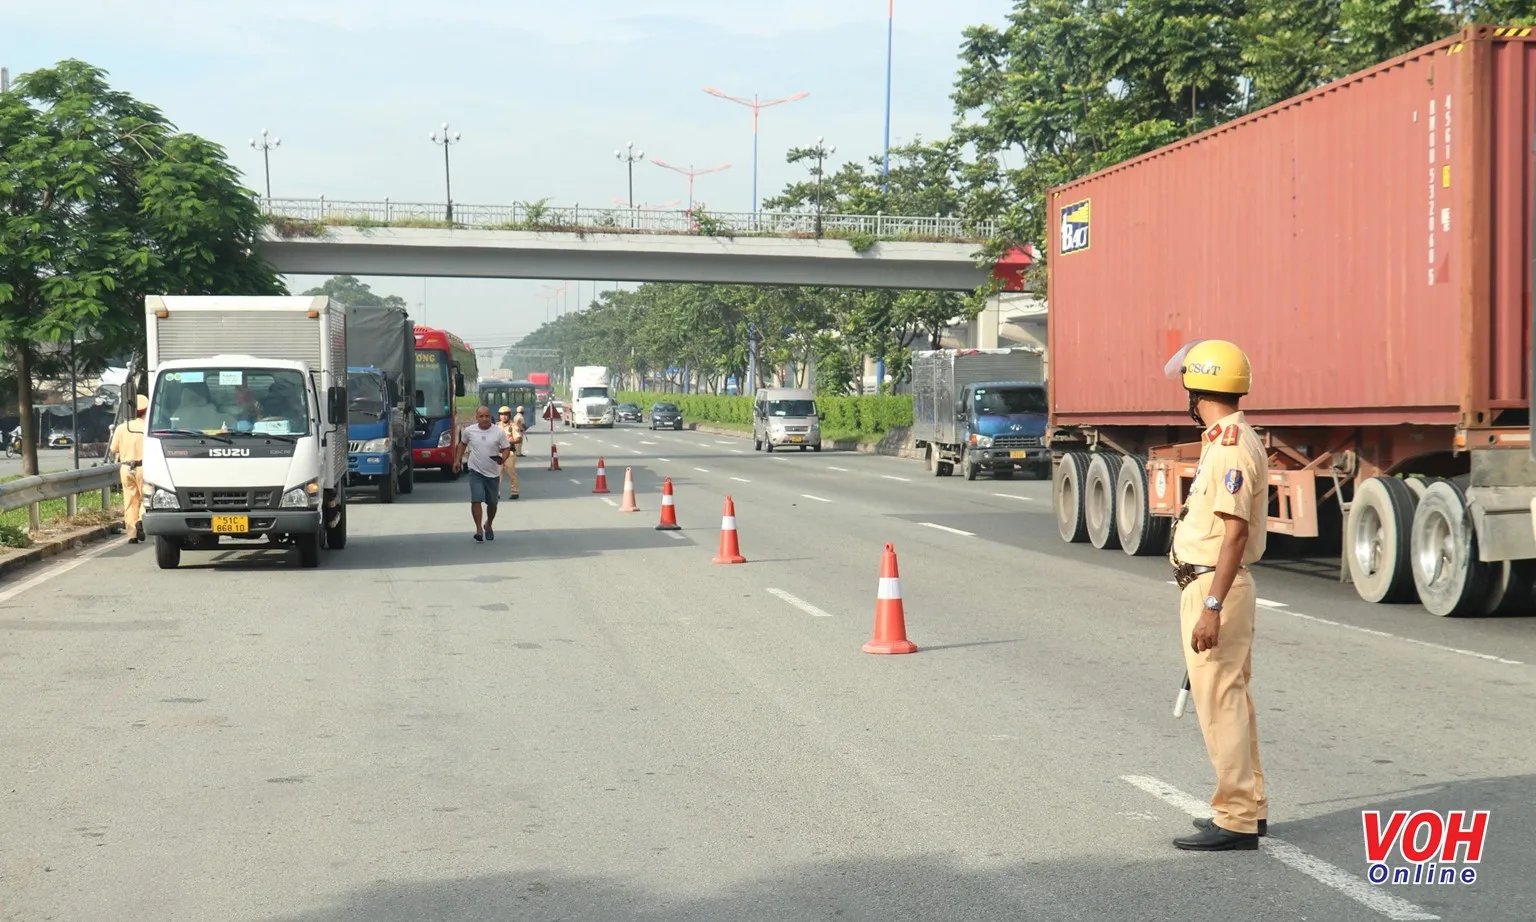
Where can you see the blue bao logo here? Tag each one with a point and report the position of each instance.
(1074, 226)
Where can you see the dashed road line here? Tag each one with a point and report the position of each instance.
(1027, 499)
(831, 468)
(667, 460)
(948, 529)
(646, 442)
(575, 481)
(741, 480)
(722, 442)
(816, 498)
(738, 451)
(799, 603)
(676, 535)
(1294, 858)
(1267, 603)
(701, 470)
(894, 477)
(636, 451)
(609, 501)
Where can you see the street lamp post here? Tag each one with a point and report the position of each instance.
(821, 152)
(447, 140)
(629, 157)
(757, 106)
(266, 149)
(691, 173)
(890, 48)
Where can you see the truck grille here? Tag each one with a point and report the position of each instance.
(1016, 441)
(219, 500)
(595, 412)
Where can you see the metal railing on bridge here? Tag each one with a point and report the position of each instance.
(533, 216)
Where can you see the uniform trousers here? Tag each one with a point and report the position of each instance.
(1218, 688)
(509, 470)
(132, 479)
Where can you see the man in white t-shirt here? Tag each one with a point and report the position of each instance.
(486, 446)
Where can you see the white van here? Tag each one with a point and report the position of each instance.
(785, 416)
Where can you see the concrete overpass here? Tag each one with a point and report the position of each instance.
(318, 237)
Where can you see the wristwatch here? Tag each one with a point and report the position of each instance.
(1212, 603)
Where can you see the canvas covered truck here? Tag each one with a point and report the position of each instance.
(981, 411)
(246, 435)
(381, 400)
(1369, 245)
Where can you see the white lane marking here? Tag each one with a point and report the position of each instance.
(636, 451)
(816, 498)
(831, 468)
(738, 451)
(741, 480)
(668, 460)
(646, 442)
(701, 470)
(609, 501)
(1268, 603)
(721, 442)
(1373, 898)
(774, 457)
(894, 477)
(60, 568)
(801, 604)
(948, 529)
(1027, 499)
(575, 481)
(676, 534)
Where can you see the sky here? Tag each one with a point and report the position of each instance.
(543, 92)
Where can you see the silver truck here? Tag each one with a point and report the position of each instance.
(983, 410)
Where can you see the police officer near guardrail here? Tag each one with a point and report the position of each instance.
(128, 447)
(1218, 536)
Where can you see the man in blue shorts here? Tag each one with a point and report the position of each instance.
(486, 446)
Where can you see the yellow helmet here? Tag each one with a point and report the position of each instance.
(506, 410)
(1213, 366)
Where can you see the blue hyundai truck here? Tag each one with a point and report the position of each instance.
(981, 410)
(381, 400)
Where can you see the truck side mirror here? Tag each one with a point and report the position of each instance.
(421, 398)
(336, 404)
(458, 384)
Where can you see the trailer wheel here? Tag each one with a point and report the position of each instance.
(408, 479)
(1381, 520)
(1141, 533)
(1451, 581)
(1067, 496)
(1509, 590)
(1099, 501)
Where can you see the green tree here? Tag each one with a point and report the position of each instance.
(350, 291)
(102, 202)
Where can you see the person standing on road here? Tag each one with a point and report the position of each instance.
(509, 470)
(1218, 536)
(521, 422)
(487, 448)
(128, 448)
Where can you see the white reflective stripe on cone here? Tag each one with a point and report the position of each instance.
(728, 523)
(890, 588)
(666, 499)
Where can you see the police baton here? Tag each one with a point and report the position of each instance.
(1182, 699)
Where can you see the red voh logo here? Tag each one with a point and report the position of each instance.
(1428, 843)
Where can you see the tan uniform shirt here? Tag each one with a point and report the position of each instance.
(128, 441)
(1232, 478)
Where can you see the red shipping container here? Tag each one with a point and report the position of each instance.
(1368, 244)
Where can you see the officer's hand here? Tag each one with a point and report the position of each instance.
(457, 467)
(1203, 637)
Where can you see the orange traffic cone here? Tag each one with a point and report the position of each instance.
(628, 505)
(730, 551)
(602, 477)
(668, 510)
(554, 458)
(890, 618)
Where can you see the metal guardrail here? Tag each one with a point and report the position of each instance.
(522, 216)
(29, 491)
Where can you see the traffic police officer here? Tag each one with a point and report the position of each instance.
(128, 447)
(509, 467)
(1219, 535)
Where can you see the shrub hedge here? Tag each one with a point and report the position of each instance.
(863, 416)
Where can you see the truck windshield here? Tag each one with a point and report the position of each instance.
(432, 381)
(254, 401)
(792, 408)
(1008, 401)
(367, 398)
(592, 392)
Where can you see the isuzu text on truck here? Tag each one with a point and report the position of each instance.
(247, 424)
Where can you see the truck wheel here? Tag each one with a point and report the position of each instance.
(1067, 496)
(972, 468)
(336, 535)
(1380, 523)
(167, 552)
(757, 444)
(309, 548)
(1099, 501)
(1509, 592)
(387, 487)
(768, 445)
(1141, 533)
(1452, 582)
(817, 446)
(408, 478)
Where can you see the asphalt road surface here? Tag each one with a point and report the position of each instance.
(586, 719)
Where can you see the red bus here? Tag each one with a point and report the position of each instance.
(442, 361)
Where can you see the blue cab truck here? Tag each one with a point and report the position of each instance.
(381, 400)
(981, 410)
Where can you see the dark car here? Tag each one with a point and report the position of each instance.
(666, 416)
(629, 413)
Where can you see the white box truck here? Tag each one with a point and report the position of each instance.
(247, 426)
(592, 402)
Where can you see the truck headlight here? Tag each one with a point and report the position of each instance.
(446, 439)
(981, 441)
(303, 497)
(160, 498)
(376, 446)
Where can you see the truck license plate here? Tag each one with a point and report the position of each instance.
(1018, 454)
(231, 524)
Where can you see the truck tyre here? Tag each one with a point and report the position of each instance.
(1509, 590)
(1378, 540)
(1141, 533)
(167, 552)
(387, 488)
(1067, 496)
(817, 446)
(1099, 495)
(408, 478)
(757, 444)
(309, 548)
(336, 535)
(1451, 580)
(972, 468)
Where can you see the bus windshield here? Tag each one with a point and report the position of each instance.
(254, 401)
(432, 379)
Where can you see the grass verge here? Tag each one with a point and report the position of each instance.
(55, 516)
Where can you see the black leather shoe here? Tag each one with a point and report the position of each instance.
(1203, 822)
(1215, 839)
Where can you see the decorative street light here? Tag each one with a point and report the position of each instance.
(629, 157)
(447, 139)
(691, 173)
(266, 149)
(757, 106)
(821, 152)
